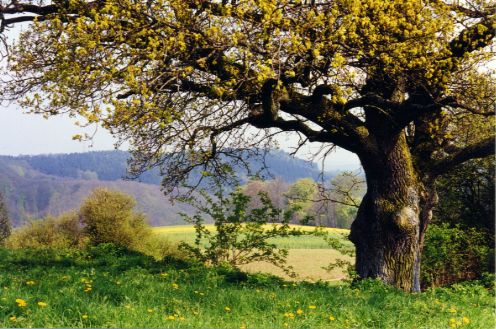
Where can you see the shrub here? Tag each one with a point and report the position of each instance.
(5, 224)
(109, 217)
(241, 235)
(64, 231)
(453, 254)
(158, 247)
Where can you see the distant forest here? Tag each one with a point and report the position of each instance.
(35, 186)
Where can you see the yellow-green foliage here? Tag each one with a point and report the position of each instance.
(64, 231)
(106, 216)
(109, 217)
(158, 247)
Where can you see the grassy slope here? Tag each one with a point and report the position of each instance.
(134, 291)
(307, 254)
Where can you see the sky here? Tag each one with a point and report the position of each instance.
(31, 134)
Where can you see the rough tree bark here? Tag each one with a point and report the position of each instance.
(389, 228)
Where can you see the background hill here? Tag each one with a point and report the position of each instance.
(34, 186)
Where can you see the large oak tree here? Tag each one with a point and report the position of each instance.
(406, 85)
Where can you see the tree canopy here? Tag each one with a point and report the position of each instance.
(171, 76)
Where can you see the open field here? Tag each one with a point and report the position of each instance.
(104, 288)
(307, 254)
(186, 233)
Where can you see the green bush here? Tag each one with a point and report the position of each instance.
(241, 234)
(5, 223)
(109, 217)
(158, 247)
(453, 254)
(64, 231)
(106, 218)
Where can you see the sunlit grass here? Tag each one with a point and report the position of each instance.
(50, 290)
(186, 233)
(308, 254)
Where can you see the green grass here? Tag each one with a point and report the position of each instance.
(186, 233)
(308, 254)
(130, 290)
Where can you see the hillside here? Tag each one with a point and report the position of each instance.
(50, 184)
(111, 165)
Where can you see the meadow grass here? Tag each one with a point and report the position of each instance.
(118, 289)
(308, 254)
(186, 233)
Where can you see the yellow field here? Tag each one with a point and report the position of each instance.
(190, 229)
(307, 254)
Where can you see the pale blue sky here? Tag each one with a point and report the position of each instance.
(22, 133)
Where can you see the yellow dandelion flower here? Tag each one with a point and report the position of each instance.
(164, 274)
(181, 318)
(149, 310)
(312, 307)
(170, 317)
(42, 304)
(227, 309)
(30, 282)
(331, 318)
(465, 320)
(452, 323)
(13, 318)
(87, 289)
(175, 286)
(243, 326)
(299, 311)
(21, 302)
(85, 316)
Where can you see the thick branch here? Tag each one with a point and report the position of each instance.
(478, 150)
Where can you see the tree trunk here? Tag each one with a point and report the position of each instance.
(391, 221)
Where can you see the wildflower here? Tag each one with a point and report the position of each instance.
(312, 307)
(170, 317)
(452, 310)
(30, 282)
(149, 310)
(21, 302)
(175, 286)
(299, 311)
(452, 323)
(85, 316)
(164, 274)
(42, 304)
(289, 315)
(243, 326)
(13, 318)
(227, 309)
(182, 318)
(87, 289)
(465, 320)
(331, 318)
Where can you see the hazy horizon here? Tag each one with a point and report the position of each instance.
(33, 135)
